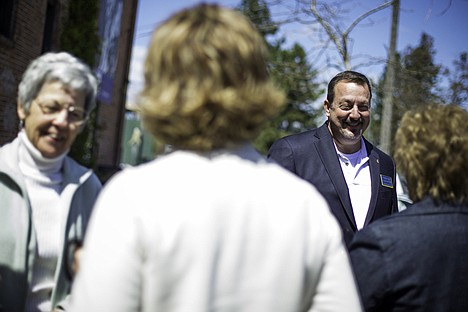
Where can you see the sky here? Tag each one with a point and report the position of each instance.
(445, 20)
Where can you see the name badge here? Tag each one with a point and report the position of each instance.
(386, 181)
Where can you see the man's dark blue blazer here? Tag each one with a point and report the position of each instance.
(312, 156)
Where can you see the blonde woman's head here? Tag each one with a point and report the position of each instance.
(432, 153)
(206, 80)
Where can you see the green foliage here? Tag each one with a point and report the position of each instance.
(416, 81)
(458, 80)
(418, 76)
(292, 72)
(80, 37)
(257, 11)
(83, 149)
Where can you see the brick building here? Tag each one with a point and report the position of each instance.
(29, 28)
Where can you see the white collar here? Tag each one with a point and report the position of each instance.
(356, 159)
(35, 166)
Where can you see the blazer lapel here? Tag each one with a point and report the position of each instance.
(374, 167)
(327, 153)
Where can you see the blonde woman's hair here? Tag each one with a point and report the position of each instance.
(432, 153)
(206, 80)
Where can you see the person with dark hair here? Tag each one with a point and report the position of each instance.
(46, 197)
(355, 177)
(211, 226)
(416, 260)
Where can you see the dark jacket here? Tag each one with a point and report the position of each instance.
(416, 260)
(312, 156)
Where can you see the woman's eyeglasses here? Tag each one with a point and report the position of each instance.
(76, 115)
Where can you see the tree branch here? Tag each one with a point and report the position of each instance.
(366, 14)
(328, 29)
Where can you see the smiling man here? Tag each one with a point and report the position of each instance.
(356, 178)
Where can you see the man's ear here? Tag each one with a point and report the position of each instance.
(326, 107)
(21, 113)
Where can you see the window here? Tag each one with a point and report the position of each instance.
(49, 26)
(6, 18)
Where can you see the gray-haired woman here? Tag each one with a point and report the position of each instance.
(45, 197)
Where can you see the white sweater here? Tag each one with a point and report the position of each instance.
(43, 178)
(222, 231)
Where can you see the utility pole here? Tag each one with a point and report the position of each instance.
(386, 125)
